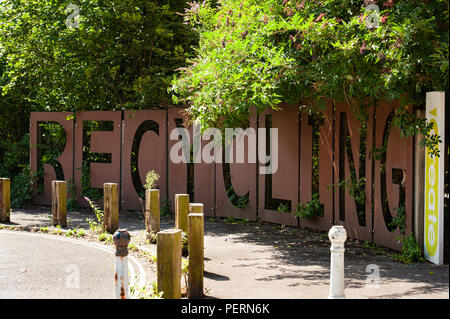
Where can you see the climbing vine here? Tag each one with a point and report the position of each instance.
(255, 54)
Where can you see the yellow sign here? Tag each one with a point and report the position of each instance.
(431, 205)
(434, 182)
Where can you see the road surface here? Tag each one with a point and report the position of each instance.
(47, 266)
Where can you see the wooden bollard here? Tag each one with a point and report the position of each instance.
(196, 251)
(181, 211)
(59, 203)
(168, 256)
(5, 195)
(152, 218)
(111, 207)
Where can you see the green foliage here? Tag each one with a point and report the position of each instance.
(22, 187)
(145, 292)
(255, 54)
(87, 191)
(57, 231)
(244, 221)
(230, 219)
(133, 247)
(238, 201)
(75, 232)
(185, 270)
(357, 189)
(151, 238)
(165, 207)
(375, 248)
(409, 124)
(411, 251)
(283, 208)
(44, 229)
(95, 226)
(105, 237)
(311, 209)
(184, 244)
(150, 179)
(122, 55)
(14, 165)
(72, 201)
(399, 220)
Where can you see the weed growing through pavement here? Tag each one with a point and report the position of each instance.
(95, 226)
(145, 292)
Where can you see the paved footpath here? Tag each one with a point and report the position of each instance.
(271, 261)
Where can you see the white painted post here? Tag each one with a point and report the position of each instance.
(121, 240)
(337, 235)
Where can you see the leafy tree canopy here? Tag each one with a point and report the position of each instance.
(255, 54)
(91, 54)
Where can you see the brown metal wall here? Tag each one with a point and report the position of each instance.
(205, 182)
(285, 180)
(399, 156)
(325, 167)
(101, 142)
(243, 180)
(151, 154)
(178, 174)
(346, 213)
(65, 159)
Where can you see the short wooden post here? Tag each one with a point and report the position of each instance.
(196, 251)
(181, 211)
(168, 271)
(152, 218)
(111, 207)
(59, 203)
(5, 195)
(337, 235)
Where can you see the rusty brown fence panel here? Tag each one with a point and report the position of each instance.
(393, 189)
(353, 177)
(144, 149)
(189, 177)
(317, 128)
(106, 142)
(64, 161)
(320, 154)
(278, 193)
(236, 189)
(180, 175)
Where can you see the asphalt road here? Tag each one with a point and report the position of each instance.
(36, 266)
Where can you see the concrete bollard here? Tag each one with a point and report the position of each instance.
(152, 218)
(111, 207)
(181, 211)
(121, 240)
(5, 197)
(196, 251)
(168, 259)
(337, 235)
(59, 203)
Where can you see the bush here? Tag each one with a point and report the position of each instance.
(255, 54)
(14, 164)
(411, 251)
